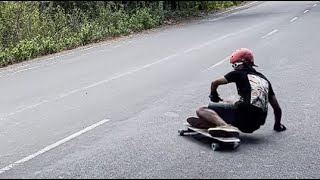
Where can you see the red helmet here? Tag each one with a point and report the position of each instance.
(242, 55)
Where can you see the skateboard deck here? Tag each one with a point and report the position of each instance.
(219, 142)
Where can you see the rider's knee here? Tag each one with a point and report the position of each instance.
(203, 111)
(200, 111)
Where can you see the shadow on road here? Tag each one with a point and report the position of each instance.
(249, 139)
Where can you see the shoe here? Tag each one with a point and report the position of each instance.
(224, 131)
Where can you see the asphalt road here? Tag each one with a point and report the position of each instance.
(112, 110)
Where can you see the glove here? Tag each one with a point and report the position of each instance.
(279, 127)
(214, 97)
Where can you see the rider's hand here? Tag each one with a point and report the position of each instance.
(214, 97)
(279, 127)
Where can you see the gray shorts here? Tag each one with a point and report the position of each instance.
(226, 111)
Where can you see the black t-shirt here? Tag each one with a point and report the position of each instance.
(254, 90)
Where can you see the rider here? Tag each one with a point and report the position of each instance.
(250, 111)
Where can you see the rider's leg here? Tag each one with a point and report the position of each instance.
(199, 123)
(221, 116)
(210, 116)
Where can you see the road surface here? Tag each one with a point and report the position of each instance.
(112, 110)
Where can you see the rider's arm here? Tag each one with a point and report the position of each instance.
(230, 77)
(218, 82)
(276, 109)
(214, 96)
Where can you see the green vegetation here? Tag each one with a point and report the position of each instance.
(33, 28)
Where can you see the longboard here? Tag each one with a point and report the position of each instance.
(219, 142)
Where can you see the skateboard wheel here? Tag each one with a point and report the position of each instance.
(181, 132)
(215, 146)
(236, 145)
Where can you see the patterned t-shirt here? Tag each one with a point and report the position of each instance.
(254, 90)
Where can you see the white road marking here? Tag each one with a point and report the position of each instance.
(188, 50)
(293, 19)
(36, 67)
(314, 5)
(118, 45)
(238, 7)
(216, 19)
(50, 147)
(128, 42)
(270, 33)
(15, 70)
(218, 63)
(305, 11)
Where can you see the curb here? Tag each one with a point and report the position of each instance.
(235, 9)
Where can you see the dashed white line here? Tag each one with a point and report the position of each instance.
(270, 33)
(48, 148)
(293, 19)
(305, 11)
(188, 50)
(314, 5)
(218, 63)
